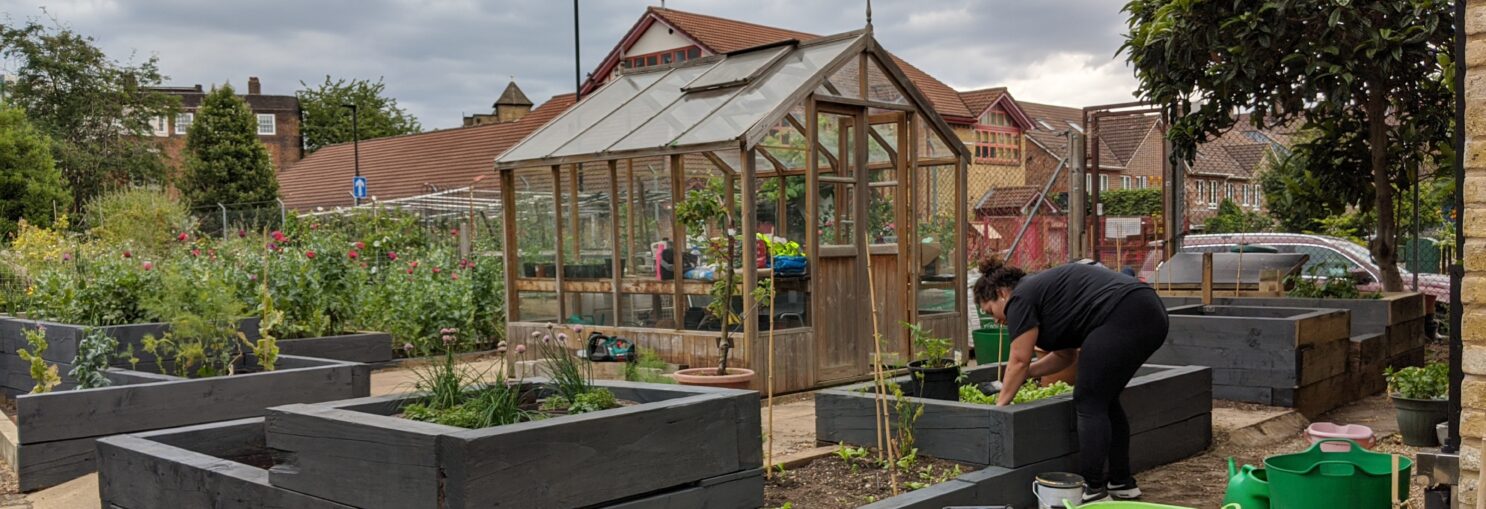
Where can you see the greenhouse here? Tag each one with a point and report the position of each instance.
(846, 185)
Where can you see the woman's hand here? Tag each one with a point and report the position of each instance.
(1017, 366)
(1052, 363)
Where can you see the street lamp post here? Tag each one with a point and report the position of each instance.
(355, 146)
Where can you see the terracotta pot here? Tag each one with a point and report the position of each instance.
(737, 378)
(1069, 375)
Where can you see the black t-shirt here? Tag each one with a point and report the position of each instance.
(1066, 303)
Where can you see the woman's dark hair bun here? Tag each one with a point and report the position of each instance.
(994, 275)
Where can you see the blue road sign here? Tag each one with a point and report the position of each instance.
(358, 187)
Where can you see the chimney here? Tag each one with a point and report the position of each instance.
(254, 88)
(198, 87)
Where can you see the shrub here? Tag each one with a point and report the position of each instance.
(144, 219)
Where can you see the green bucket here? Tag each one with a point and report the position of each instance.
(991, 345)
(1357, 478)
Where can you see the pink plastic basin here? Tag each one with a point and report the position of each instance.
(1355, 432)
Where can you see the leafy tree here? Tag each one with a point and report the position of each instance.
(1370, 81)
(97, 111)
(1297, 197)
(1131, 202)
(31, 187)
(1234, 219)
(327, 121)
(225, 162)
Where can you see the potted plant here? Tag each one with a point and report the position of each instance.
(699, 206)
(1419, 401)
(934, 372)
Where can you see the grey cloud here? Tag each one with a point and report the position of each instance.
(447, 57)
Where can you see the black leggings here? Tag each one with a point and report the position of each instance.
(1111, 355)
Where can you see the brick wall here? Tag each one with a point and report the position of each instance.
(1473, 291)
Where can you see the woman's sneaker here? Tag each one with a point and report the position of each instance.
(1094, 495)
(1124, 490)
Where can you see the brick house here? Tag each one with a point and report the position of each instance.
(277, 116)
(420, 163)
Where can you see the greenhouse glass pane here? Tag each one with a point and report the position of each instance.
(737, 68)
(632, 114)
(766, 95)
(591, 109)
(680, 116)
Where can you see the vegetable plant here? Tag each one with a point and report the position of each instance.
(94, 351)
(935, 352)
(45, 375)
(1429, 382)
(1029, 392)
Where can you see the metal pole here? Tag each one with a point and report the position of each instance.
(1457, 269)
(577, 55)
(356, 145)
(1094, 182)
(1414, 263)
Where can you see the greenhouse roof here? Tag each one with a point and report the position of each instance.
(710, 103)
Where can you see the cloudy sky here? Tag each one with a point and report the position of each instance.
(444, 58)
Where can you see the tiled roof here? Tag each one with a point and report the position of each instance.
(978, 100)
(512, 96)
(721, 35)
(191, 99)
(1123, 135)
(1057, 119)
(401, 166)
(1007, 198)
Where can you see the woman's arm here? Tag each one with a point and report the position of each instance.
(1053, 362)
(1017, 366)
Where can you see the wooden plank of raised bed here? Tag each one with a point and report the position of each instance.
(370, 347)
(1367, 357)
(1012, 486)
(1317, 398)
(44, 465)
(741, 490)
(136, 473)
(1247, 394)
(953, 492)
(1173, 442)
(617, 453)
(1405, 336)
(355, 458)
(121, 409)
(1322, 360)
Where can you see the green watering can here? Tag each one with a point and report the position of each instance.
(1248, 487)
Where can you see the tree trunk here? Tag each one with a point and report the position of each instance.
(1385, 241)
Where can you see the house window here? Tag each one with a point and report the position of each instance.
(693, 53)
(1104, 182)
(1214, 192)
(1201, 192)
(650, 60)
(1088, 182)
(1125, 182)
(665, 59)
(1141, 182)
(997, 145)
(266, 124)
(159, 126)
(183, 122)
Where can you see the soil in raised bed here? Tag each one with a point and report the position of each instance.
(833, 483)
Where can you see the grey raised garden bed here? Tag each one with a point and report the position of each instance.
(1397, 320)
(1289, 357)
(51, 438)
(368, 347)
(680, 447)
(1170, 410)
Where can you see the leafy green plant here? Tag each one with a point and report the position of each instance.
(907, 413)
(647, 368)
(452, 398)
(94, 351)
(143, 219)
(1429, 382)
(45, 375)
(935, 352)
(1327, 281)
(592, 401)
(1030, 391)
(203, 311)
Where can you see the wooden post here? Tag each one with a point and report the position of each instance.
(748, 249)
(512, 260)
(678, 241)
(614, 258)
(1207, 279)
(562, 304)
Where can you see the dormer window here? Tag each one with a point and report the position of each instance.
(997, 139)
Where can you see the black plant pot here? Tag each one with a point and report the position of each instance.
(934, 383)
(1417, 419)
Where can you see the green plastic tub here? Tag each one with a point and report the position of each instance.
(991, 345)
(1123, 504)
(1357, 478)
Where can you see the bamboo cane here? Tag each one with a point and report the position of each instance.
(884, 426)
(1393, 486)
(769, 378)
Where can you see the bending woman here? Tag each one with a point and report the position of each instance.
(1111, 320)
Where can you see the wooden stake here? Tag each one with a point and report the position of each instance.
(1207, 279)
(769, 378)
(1393, 486)
(884, 429)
